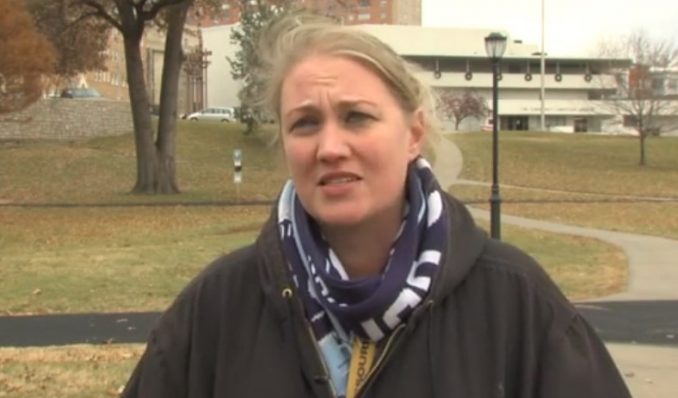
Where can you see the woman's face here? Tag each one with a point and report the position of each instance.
(347, 141)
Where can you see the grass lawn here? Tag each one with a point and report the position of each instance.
(102, 170)
(58, 259)
(594, 169)
(80, 371)
(112, 259)
(137, 258)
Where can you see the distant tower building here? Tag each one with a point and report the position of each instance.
(406, 12)
(352, 12)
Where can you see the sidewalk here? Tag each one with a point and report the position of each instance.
(649, 371)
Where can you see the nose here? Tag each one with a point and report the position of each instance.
(332, 143)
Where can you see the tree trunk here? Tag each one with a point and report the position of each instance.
(169, 93)
(643, 136)
(141, 118)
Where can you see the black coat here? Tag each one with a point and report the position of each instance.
(494, 325)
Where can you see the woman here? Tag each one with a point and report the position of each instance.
(368, 279)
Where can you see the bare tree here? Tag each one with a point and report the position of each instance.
(246, 64)
(79, 44)
(457, 106)
(639, 98)
(155, 153)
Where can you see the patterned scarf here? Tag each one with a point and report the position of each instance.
(367, 307)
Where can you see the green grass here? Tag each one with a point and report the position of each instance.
(587, 174)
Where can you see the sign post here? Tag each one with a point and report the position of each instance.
(237, 171)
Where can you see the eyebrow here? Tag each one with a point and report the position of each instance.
(342, 104)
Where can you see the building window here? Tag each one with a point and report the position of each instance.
(557, 121)
(657, 83)
(363, 17)
(630, 121)
(513, 68)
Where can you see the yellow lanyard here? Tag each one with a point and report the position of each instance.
(362, 357)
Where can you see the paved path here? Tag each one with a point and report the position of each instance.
(649, 371)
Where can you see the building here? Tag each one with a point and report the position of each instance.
(665, 82)
(399, 12)
(112, 81)
(221, 88)
(455, 59)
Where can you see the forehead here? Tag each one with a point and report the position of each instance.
(334, 75)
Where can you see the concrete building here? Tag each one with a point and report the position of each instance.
(455, 59)
(220, 88)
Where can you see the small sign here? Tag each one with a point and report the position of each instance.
(237, 166)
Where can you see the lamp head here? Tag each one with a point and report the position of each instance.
(495, 45)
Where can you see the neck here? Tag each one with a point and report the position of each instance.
(363, 249)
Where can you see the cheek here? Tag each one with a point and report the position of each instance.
(296, 156)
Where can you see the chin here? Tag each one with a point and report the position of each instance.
(335, 218)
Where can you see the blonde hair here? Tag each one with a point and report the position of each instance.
(293, 37)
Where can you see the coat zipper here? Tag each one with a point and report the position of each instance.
(388, 349)
(319, 357)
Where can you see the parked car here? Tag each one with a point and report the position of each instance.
(221, 114)
(488, 125)
(80, 92)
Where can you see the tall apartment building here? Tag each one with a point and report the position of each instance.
(390, 12)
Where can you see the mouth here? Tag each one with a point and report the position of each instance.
(336, 179)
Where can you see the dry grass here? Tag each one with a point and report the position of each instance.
(582, 267)
(102, 170)
(112, 259)
(138, 258)
(80, 371)
(594, 211)
(595, 170)
(575, 162)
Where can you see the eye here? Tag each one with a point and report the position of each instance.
(357, 117)
(304, 125)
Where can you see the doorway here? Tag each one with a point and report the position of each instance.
(580, 125)
(518, 123)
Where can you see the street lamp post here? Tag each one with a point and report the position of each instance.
(495, 45)
(542, 65)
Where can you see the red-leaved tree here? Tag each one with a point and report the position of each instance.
(25, 57)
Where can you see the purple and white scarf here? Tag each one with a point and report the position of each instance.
(367, 307)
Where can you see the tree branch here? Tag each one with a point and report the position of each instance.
(100, 11)
(159, 5)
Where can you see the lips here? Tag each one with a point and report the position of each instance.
(337, 178)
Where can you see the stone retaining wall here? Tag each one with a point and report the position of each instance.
(61, 118)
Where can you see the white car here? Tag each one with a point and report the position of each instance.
(220, 114)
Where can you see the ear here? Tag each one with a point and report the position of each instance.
(417, 133)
